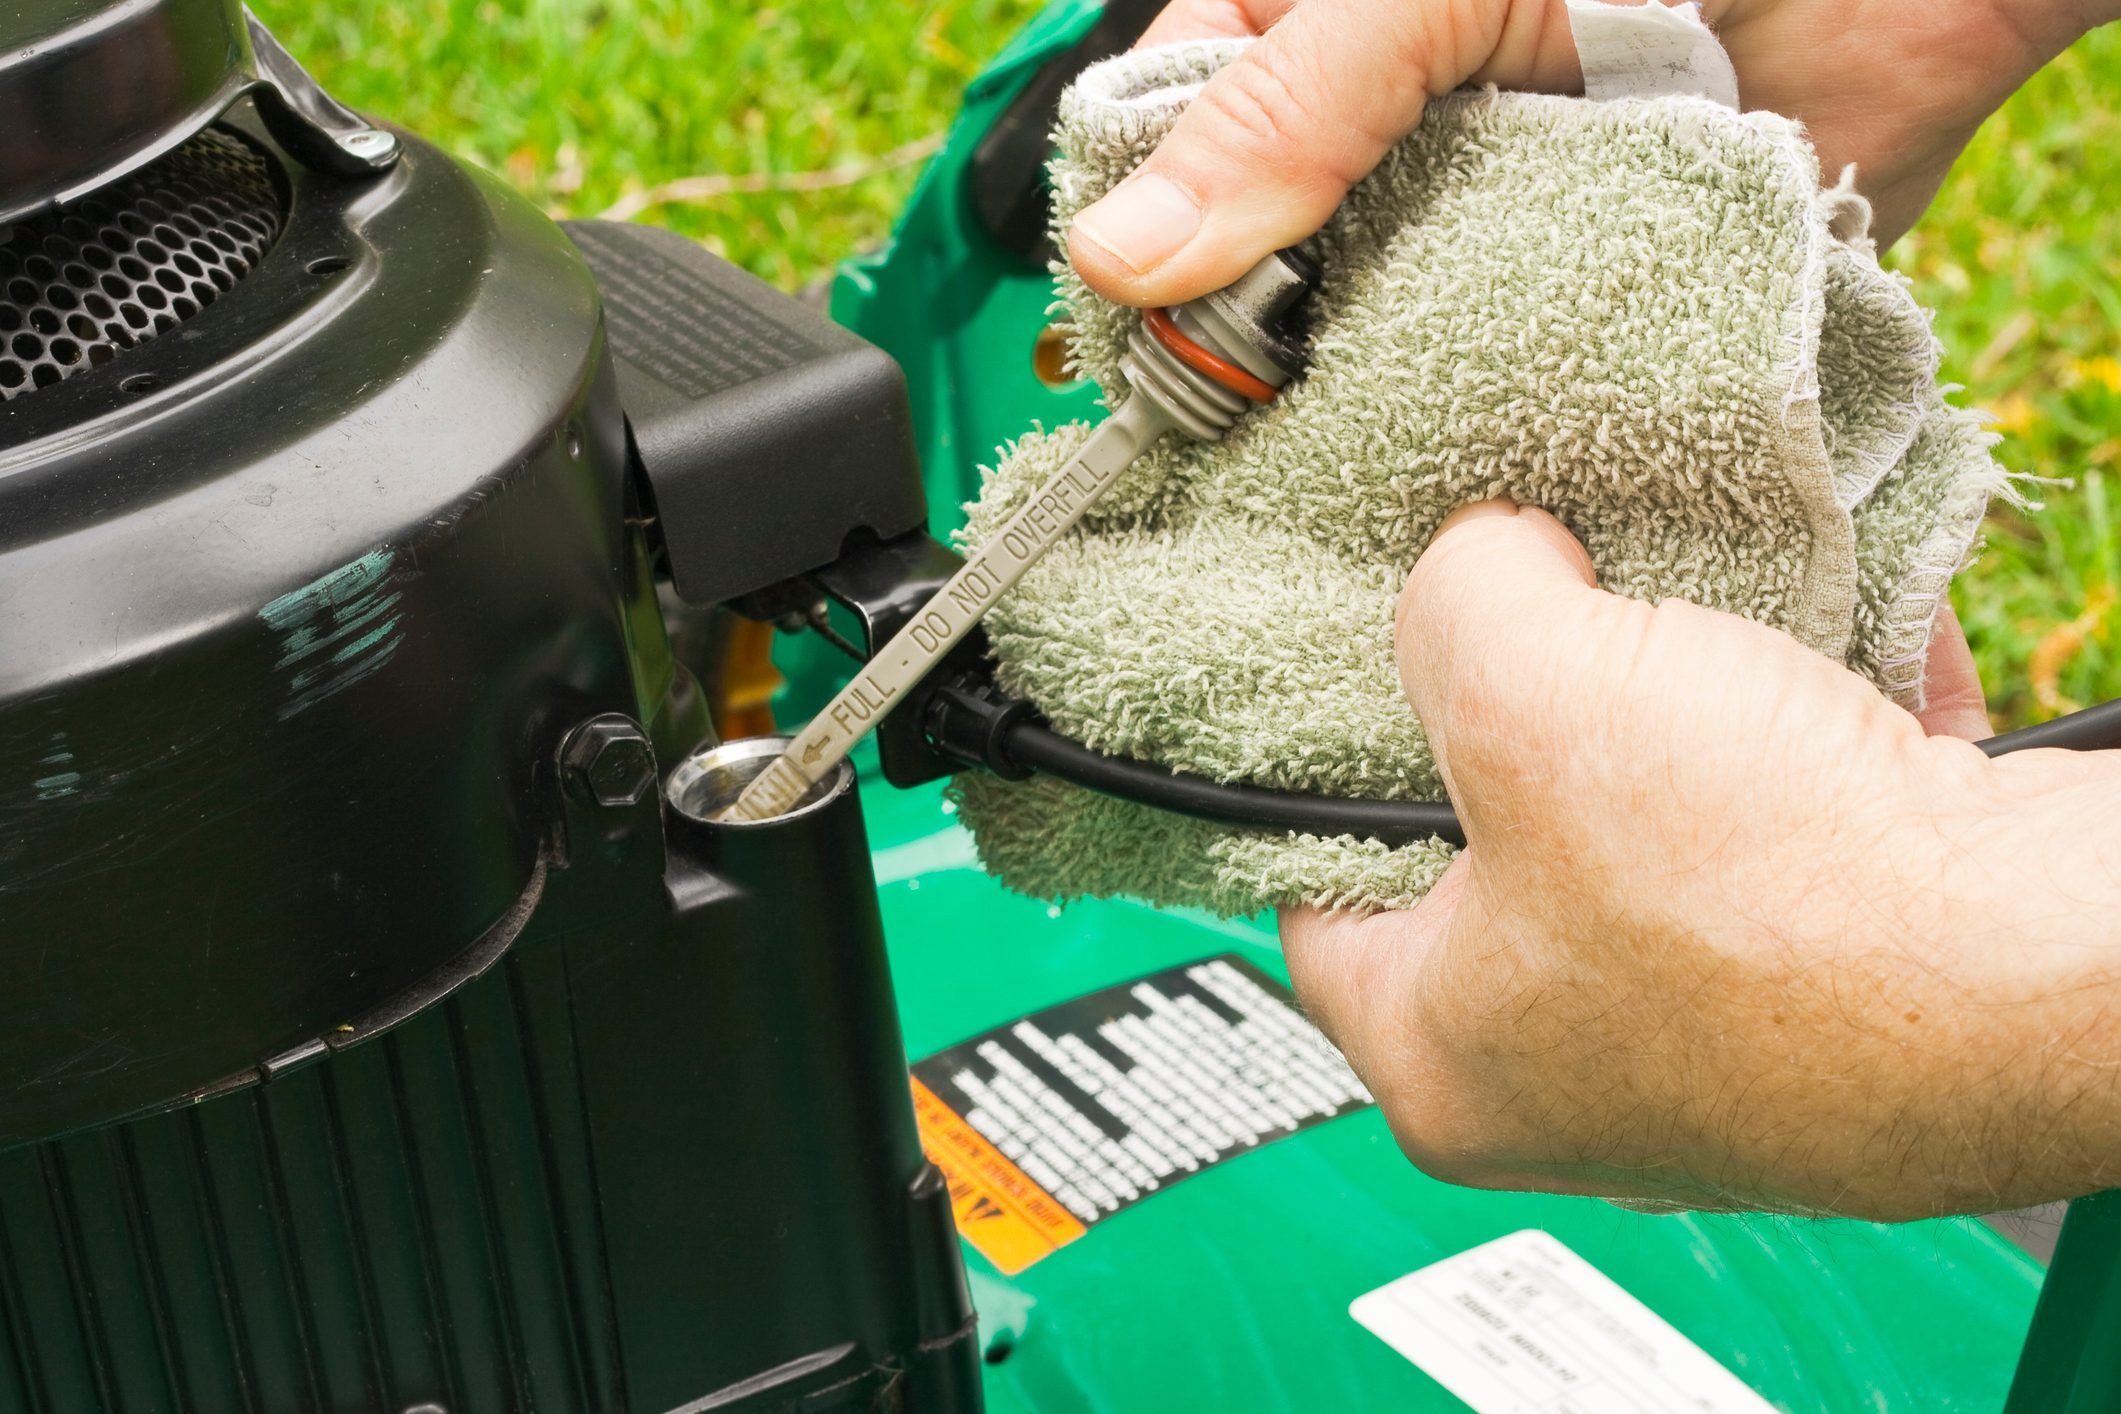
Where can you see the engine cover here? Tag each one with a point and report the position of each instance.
(296, 598)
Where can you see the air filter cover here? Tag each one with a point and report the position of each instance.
(90, 90)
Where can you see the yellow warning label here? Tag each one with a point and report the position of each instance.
(1010, 1219)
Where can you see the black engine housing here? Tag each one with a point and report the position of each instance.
(368, 1040)
(300, 596)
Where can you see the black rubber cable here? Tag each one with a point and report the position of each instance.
(2093, 729)
(1392, 821)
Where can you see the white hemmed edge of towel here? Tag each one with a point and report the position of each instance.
(1650, 50)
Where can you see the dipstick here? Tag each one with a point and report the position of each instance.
(1051, 512)
(1195, 368)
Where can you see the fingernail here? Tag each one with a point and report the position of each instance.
(1143, 221)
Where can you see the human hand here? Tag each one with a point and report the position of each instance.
(1730, 930)
(1274, 141)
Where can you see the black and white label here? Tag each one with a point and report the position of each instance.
(1110, 1097)
(1522, 1325)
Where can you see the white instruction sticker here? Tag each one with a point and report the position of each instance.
(1649, 50)
(1522, 1325)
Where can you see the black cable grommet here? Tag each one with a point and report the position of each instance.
(971, 721)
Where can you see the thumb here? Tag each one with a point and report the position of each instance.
(1260, 159)
(1499, 618)
(1552, 705)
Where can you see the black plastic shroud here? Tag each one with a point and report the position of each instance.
(348, 1060)
(768, 434)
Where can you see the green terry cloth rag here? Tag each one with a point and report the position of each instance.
(1643, 315)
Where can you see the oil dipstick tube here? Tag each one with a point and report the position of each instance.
(1193, 369)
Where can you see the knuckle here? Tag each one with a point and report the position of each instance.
(1258, 110)
(1350, 973)
(1461, 1125)
(1451, 1144)
(1313, 949)
(1459, 36)
(1260, 114)
(1435, 1093)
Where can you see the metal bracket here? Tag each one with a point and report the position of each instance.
(319, 130)
(117, 85)
(885, 583)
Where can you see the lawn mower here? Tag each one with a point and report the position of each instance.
(390, 1019)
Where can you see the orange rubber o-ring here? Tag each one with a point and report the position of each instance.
(1236, 379)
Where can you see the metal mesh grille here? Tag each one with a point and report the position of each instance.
(131, 261)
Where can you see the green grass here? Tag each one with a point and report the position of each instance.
(580, 102)
(2021, 258)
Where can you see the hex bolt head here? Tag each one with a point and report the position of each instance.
(608, 761)
(370, 144)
